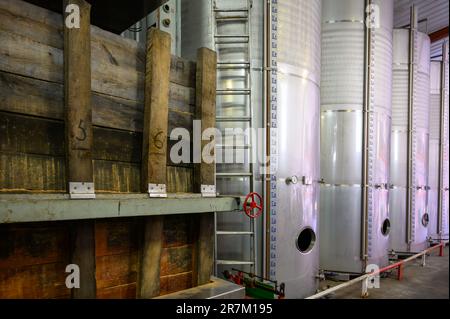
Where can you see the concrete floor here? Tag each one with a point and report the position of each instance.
(429, 282)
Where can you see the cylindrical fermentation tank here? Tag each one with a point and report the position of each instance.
(355, 134)
(291, 246)
(294, 220)
(439, 150)
(410, 140)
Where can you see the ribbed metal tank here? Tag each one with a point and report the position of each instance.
(296, 261)
(439, 226)
(409, 230)
(352, 237)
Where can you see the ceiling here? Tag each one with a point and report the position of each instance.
(434, 11)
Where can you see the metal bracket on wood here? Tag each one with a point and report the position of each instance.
(81, 190)
(208, 190)
(157, 190)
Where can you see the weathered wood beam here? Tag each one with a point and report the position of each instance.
(148, 285)
(205, 170)
(204, 259)
(79, 140)
(154, 157)
(83, 255)
(206, 112)
(156, 114)
(78, 108)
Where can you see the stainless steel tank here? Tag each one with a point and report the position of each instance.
(296, 28)
(294, 222)
(355, 134)
(439, 150)
(410, 140)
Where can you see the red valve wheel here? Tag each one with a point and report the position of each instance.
(251, 204)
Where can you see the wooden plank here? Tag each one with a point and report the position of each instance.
(206, 111)
(127, 291)
(23, 172)
(83, 255)
(77, 84)
(79, 139)
(148, 284)
(175, 283)
(116, 177)
(44, 281)
(33, 244)
(177, 231)
(180, 179)
(115, 237)
(205, 172)
(27, 172)
(156, 109)
(25, 134)
(176, 260)
(29, 96)
(204, 250)
(37, 27)
(116, 270)
(41, 25)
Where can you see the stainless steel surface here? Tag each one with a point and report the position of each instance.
(298, 117)
(419, 143)
(438, 154)
(349, 235)
(217, 289)
(234, 29)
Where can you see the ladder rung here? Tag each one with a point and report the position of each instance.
(233, 262)
(226, 36)
(234, 174)
(234, 233)
(246, 147)
(234, 92)
(233, 119)
(231, 18)
(232, 42)
(231, 10)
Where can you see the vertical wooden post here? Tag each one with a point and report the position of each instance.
(79, 169)
(156, 114)
(148, 285)
(206, 171)
(77, 84)
(204, 250)
(154, 157)
(83, 255)
(206, 112)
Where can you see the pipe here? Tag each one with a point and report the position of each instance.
(398, 265)
(441, 138)
(409, 162)
(365, 137)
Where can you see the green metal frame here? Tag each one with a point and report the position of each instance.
(20, 208)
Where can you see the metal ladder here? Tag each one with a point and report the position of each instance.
(223, 16)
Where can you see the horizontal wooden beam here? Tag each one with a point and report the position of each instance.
(16, 208)
(439, 35)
